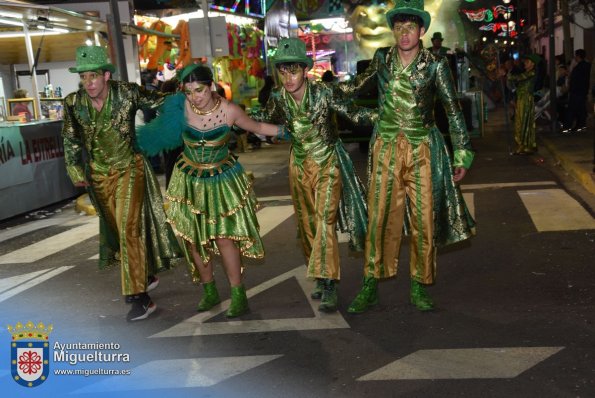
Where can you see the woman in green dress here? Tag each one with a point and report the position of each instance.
(212, 204)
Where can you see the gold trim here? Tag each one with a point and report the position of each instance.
(202, 142)
(243, 203)
(246, 243)
(213, 168)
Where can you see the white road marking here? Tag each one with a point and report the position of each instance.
(555, 210)
(10, 233)
(274, 198)
(197, 326)
(270, 217)
(33, 282)
(470, 202)
(180, 373)
(499, 185)
(53, 244)
(13, 281)
(465, 363)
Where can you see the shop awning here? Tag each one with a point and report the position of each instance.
(62, 31)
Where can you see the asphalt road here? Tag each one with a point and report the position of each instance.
(514, 313)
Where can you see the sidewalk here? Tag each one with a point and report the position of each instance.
(573, 151)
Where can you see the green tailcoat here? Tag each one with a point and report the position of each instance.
(430, 78)
(83, 149)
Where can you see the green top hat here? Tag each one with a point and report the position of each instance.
(292, 50)
(90, 58)
(533, 57)
(437, 36)
(409, 7)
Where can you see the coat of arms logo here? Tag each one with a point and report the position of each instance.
(30, 353)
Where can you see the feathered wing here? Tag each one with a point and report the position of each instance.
(165, 131)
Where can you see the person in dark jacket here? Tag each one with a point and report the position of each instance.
(578, 89)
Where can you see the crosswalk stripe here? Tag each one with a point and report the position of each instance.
(197, 325)
(52, 245)
(26, 228)
(270, 217)
(274, 198)
(33, 282)
(180, 373)
(499, 185)
(13, 281)
(555, 210)
(470, 202)
(465, 363)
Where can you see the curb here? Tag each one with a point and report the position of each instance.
(83, 205)
(580, 174)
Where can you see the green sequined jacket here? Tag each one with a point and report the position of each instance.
(325, 100)
(79, 130)
(431, 77)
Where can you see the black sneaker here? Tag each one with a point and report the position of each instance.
(152, 282)
(142, 307)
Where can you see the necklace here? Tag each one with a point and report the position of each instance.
(203, 113)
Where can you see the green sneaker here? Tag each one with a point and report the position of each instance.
(420, 298)
(329, 300)
(317, 293)
(239, 302)
(366, 298)
(210, 298)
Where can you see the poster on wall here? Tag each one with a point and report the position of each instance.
(11, 165)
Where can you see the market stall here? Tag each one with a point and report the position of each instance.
(240, 70)
(38, 46)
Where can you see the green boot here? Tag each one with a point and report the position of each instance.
(420, 298)
(366, 298)
(329, 298)
(210, 297)
(239, 302)
(317, 293)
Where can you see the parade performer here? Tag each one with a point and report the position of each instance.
(411, 171)
(323, 183)
(100, 154)
(524, 110)
(212, 204)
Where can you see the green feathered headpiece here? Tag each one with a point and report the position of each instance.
(202, 73)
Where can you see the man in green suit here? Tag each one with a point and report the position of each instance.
(324, 187)
(411, 170)
(101, 155)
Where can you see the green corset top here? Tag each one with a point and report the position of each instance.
(206, 152)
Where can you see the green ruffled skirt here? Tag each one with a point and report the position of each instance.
(204, 208)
